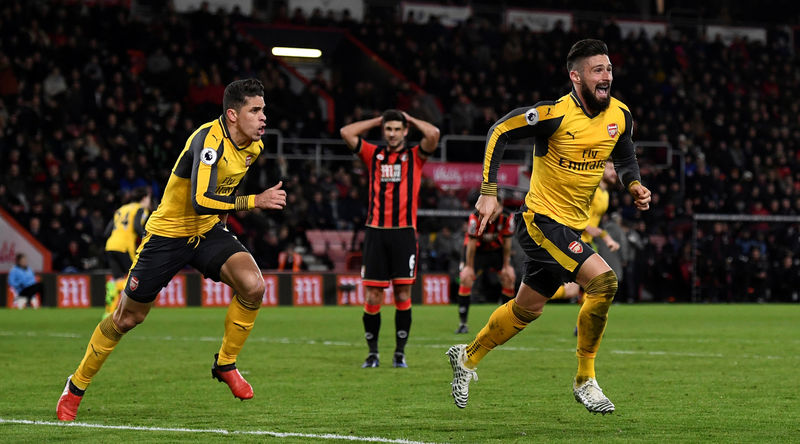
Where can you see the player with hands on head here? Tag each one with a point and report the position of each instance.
(390, 241)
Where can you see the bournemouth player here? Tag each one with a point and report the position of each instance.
(390, 243)
(122, 232)
(574, 136)
(487, 261)
(188, 228)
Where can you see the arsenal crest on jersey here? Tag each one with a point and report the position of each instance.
(248, 160)
(575, 246)
(612, 130)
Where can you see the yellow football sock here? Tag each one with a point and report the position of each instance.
(238, 324)
(559, 294)
(592, 321)
(506, 321)
(106, 336)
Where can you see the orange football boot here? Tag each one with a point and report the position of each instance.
(231, 376)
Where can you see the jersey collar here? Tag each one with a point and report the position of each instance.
(226, 133)
(577, 100)
(401, 150)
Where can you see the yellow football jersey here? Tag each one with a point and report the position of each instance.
(203, 182)
(127, 226)
(598, 208)
(570, 150)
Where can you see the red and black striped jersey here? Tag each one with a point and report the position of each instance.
(394, 184)
(494, 234)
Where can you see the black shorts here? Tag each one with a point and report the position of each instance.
(486, 264)
(119, 263)
(488, 261)
(554, 252)
(159, 258)
(390, 256)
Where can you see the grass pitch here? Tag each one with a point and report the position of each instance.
(677, 373)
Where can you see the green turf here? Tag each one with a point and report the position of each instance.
(677, 373)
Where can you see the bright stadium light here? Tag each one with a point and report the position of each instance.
(285, 51)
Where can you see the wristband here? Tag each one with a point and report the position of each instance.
(489, 189)
(244, 203)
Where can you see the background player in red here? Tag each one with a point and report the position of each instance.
(390, 242)
(487, 258)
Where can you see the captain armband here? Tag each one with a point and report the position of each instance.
(489, 189)
(245, 203)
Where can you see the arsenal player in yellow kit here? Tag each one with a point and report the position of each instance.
(188, 228)
(573, 137)
(121, 234)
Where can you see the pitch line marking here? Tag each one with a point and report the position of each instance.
(332, 436)
(301, 341)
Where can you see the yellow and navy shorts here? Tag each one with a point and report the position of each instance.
(160, 258)
(554, 252)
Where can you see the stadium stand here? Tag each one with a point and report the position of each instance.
(95, 102)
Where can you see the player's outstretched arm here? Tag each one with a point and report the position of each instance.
(351, 132)
(430, 134)
(272, 199)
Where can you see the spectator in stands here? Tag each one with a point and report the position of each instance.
(352, 211)
(756, 270)
(320, 215)
(22, 280)
(786, 279)
(290, 259)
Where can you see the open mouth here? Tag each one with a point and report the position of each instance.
(262, 129)
(602, 91)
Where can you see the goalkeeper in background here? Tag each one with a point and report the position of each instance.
(122, 234)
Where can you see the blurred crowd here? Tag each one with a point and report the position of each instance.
(94, 103)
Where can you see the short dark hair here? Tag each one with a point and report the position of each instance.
(139, 193)
(237, 92)
(583, 49)
(393, 115)
(18, 258)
